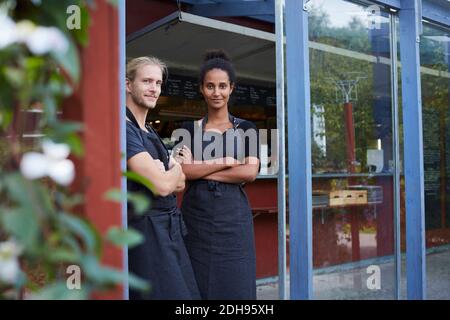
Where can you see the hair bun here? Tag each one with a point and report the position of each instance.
(216, 54)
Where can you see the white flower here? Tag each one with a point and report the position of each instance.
(40, 40)
(9, 271)
(9, 263)
(7, 31)
(62, 172)
(23, 30)
(52, 163)
(34, 165)
(56, 151)
(43, 40)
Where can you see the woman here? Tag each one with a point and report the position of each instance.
(220, 239)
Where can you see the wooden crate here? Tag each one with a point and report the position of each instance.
(374, 193)
(348, 197)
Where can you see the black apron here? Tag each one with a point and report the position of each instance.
(220, 238)
(162, 258)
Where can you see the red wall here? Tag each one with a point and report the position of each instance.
(262, 194)
(96, 105)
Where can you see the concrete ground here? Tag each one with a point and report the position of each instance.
(353, 281)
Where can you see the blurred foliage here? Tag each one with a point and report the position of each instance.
(40, 215)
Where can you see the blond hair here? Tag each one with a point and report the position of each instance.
(136, 63)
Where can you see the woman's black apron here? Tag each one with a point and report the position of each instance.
(162, 258)
(220, 238)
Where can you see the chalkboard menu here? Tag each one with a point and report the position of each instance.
(181, 86)
(432, 167)
(254, 95)
(243, 94)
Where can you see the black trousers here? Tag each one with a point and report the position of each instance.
(162, 259)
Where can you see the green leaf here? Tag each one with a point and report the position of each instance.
(60, 291)
(63, 255)
(56, 86)
(139, 179)
(29, 195)
(34, 63)
(82, 34)
(7, 91)
(84, 230)
(6, 117)
(33, 68)
(19, 190)
(121, 237)
(109, 276)
(15, 76)
(69, 61)
(53, 13)
(101, 275)
(50, 108)
(45, 199)
(23, 225)
(139, 201)
(64, 132)
(75, 144)
(72, 243)
(69, 201)
(138, 283)
(63, 128)
(114, 195)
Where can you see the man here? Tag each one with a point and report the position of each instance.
(162, 258)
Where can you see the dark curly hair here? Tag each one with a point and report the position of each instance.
(217, 59)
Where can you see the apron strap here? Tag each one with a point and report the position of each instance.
(132, 118)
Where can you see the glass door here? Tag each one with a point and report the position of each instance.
(435, 79)
(353, 151)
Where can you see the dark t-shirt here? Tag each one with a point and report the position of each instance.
(239, 142)
(140, 141)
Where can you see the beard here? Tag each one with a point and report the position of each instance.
(138, 100)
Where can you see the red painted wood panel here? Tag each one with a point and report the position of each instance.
(96, 105)
(266, 244)
(262, 195)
